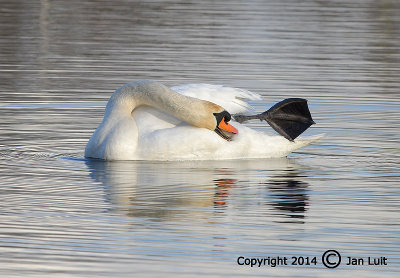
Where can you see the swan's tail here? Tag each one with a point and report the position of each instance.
(290, 117)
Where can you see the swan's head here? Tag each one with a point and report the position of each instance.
(223, 128)
(213, 117)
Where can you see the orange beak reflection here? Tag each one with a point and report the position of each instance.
(226, 130)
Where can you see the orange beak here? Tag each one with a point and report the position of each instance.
(227, 126)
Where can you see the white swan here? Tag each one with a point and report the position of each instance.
(145, 120)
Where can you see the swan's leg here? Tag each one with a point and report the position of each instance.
(290, 117)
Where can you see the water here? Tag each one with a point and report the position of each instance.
(64, 216)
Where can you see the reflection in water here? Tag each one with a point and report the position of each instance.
(198, 190)
(151, 190)
(289, 195)
(222, 187)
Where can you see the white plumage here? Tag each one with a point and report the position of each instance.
(149, 133)
(232, 99)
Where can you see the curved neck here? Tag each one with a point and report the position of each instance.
(191, 110)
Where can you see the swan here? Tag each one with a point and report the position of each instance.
(145, 120)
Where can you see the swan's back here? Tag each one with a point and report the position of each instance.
(232, 99)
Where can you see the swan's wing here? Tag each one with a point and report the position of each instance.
(232, 99)
(149, 119)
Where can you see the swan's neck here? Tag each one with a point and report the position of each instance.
(191, 110)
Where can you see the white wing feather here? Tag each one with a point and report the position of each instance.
(232, 99)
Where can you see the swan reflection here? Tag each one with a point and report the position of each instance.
(200, 190)
(288, 194)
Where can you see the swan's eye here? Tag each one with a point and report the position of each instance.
(224, 129)
(222, 115)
